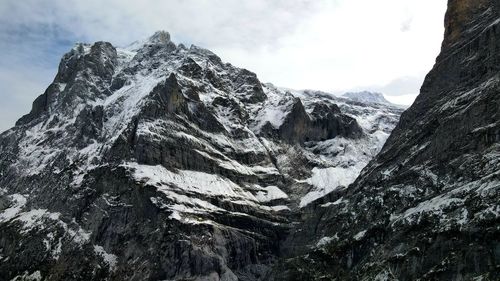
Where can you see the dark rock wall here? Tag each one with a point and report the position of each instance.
(424, 208)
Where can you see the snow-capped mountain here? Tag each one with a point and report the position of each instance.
(158, 161)
(161, 162)
(427, 207)
(366, 97)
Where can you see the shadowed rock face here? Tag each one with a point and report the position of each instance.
(427, 206)
(80, 63)
(161, 162)
(325, 122)
(166, 99)
(462, 16)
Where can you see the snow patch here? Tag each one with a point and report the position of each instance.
(274, 110)
(109, 259)
(325, 241)
(360, 235)
(192, 181)
(18, 202)
(270, 193)
(35, 276)
(326, 180)
(278, 208)
(338, 202)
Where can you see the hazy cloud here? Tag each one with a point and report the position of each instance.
(406, 25)
(331, 45)
(402, 86)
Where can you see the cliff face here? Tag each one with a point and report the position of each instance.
(463, 15)
(161, 162)
(427, 206)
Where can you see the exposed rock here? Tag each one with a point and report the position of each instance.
(159, 162)
(426, 208)
(166, 98)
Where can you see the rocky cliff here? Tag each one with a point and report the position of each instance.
(426, 208)
(161, 162)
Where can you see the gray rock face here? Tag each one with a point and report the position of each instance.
(325, 122)
(161, 162)
(426, 208)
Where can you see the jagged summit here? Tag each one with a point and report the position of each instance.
(160, 37)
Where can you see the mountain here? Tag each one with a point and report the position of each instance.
(366, 97)
(161, 162)
(427, 207)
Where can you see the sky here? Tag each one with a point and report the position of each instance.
(335, 46)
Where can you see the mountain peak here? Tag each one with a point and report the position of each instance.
(366, 97)
(181, 144)
(160, 36)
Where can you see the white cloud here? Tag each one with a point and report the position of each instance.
(354, 44)
(402, 99)
(331, 45)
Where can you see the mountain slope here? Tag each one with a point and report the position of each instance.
(161, 162)
(426, 208)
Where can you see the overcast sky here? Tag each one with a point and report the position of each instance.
(329, 45)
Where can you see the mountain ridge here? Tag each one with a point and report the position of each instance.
(129, 148)
(161, 162)
(426, 207)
